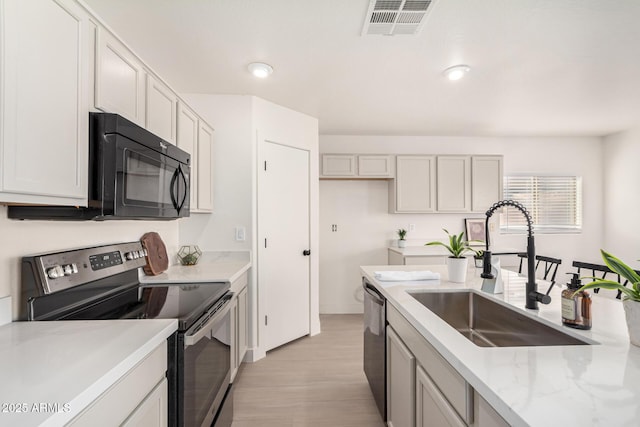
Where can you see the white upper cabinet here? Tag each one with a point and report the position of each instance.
(486, 179)
(360, 166)
(338, 165)
(45, 76)
(187, 140)
(413, 190)
(454, 183)
(375, 166)
(119, 80)
(205, 167)
(161, 112)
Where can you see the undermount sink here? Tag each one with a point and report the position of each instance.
(487, 323)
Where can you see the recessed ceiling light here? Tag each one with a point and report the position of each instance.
(456, 72)
(260, 69)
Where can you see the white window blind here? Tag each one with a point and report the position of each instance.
(554, 202)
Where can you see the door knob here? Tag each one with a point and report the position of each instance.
(306, 252)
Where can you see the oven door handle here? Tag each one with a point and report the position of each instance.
(200, 332)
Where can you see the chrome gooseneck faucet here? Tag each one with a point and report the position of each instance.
(533, 296)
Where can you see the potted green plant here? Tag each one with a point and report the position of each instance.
(401, 234)
(631, 299)
(457, 262)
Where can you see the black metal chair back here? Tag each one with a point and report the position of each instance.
(601, 271)
(550, 267)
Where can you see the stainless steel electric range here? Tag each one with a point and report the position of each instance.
(102, 283)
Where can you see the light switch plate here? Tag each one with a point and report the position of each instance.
(240, 234)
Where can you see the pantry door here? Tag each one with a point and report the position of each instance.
(283, 244)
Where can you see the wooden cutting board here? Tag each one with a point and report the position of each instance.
(157, 259)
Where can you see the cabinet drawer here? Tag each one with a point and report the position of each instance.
(453, 387)
(117, 403)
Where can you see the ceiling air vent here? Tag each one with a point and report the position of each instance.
(392, 17)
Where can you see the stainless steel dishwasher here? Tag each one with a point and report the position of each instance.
(375, 355)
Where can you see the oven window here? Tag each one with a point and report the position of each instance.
(207, 365)
(147, 180)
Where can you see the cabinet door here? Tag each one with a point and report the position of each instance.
(400, 382)
(153, 411)
(454, 183)
(432, 408)
(414, 186)
(375, 166)
(162, 104)
(234, 338)
(187, 140)
(486, 182)
(338, 165)
(119, 81)
(242, 325)
(485, 415)
(205, 167)
(45, 72)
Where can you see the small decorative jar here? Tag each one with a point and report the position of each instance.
(189, 254)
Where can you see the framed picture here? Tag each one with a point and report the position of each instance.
(475, 228)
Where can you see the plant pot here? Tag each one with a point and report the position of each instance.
(632, 314)
(457, 269)
(402, 243)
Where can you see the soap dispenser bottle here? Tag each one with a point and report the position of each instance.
(576, 306)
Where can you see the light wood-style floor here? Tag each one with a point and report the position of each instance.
(314, 381)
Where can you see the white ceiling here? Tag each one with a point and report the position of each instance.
(539, 67)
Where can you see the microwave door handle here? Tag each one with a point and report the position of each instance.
(172, 189)
(184, 194)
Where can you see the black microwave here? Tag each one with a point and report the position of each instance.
(133, 174)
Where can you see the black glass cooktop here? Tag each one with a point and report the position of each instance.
(185, 302)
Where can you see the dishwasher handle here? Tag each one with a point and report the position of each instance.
(373, 292)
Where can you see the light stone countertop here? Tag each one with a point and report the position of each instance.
(212, 267)
(68, 364)
(585, 385)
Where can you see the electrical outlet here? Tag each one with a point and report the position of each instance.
(412, 227)
(240, 234)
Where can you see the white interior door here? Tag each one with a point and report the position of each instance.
(283, 226)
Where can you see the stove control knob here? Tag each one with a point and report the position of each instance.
(69, 269)
(129, 256)
(55, 272)
(141, 253)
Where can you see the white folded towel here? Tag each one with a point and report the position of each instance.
(400, 276)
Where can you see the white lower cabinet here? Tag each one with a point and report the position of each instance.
(139, 398)
(432, 408)
(401, 375)
(152, 412)
(423, 389)
(485, 415)
(239, 324)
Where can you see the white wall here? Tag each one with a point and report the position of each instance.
(622, 196)
(365, 227)
(22, 238)
(230, 116)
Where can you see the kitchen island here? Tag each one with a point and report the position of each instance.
(574, 385)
